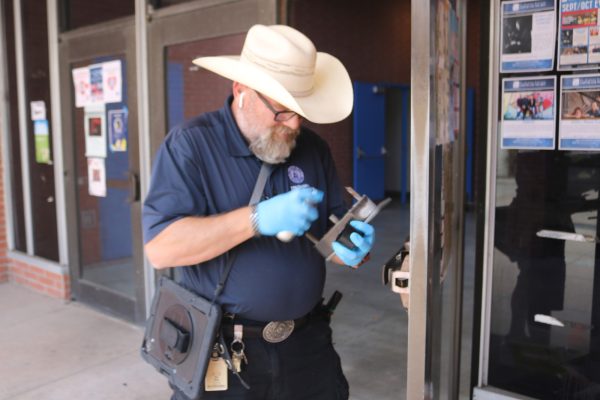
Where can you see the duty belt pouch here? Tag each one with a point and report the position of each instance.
(180, 335)
(182, 328)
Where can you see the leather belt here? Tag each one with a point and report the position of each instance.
(272, 332)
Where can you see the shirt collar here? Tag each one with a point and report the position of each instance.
(236, 143)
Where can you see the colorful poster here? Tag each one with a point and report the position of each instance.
(528, 113)
(579, 41)
(81, 84)
(117, 130)
(448, 70)
(95, 131)
(41, 133)
(38, 110)
(96, 177)
(96, 84)
(112, 82)
(528, 35)
(579, 125)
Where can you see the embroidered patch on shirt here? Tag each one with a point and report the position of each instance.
(295, 174)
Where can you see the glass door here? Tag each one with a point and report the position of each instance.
(545, 315)
(178, 34)
(541, 312)
(98, 68)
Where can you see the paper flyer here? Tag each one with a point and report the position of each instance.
(38, 110)
(41, 133)
(579, 125)
(112, 82)
(96, 177)
(579, 39)
(528, 35)
(117, 130)
(96, 84)
(95, 131)
(528, 113)
(81, 84)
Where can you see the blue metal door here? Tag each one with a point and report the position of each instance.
(369, 139)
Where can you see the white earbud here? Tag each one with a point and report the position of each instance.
(241, 102)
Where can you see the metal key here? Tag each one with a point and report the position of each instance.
(237, 359)
(237, 349)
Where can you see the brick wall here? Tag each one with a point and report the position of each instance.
(40, 280)
(373, 42)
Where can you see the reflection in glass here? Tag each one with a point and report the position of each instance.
(544, 340)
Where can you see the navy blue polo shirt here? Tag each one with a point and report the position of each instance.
(204, 167)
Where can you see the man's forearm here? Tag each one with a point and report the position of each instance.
(192, 240)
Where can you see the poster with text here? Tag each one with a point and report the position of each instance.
(117, 130)
(528, 118)
(95, 131)
(528, 35)
(96, 177)
(38, 110)
(81, 85)
(112, 82)
(579, 124)
(96, 84)
(579, 40)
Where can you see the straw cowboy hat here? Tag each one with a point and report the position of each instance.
(283, 64)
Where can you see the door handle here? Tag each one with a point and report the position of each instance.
(567, 236)
(134, 187)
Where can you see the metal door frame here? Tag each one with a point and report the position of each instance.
(424, 335)
(114, 37)
(482, 390)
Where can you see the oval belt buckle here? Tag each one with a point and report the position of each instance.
(278, 331)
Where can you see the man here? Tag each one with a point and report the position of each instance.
(594, 111)
(196, 214)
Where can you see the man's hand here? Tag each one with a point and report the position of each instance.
(293, 211)
(363, 244)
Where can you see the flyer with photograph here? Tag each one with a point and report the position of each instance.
(96, 80)
(95, 131)
(528, 35)
(41, 133)
(117, 130)
(579, 39)
(579, 124)
(528, 118)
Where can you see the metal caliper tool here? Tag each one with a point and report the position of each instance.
(363, 210)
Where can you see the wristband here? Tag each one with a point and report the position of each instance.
(254, 220)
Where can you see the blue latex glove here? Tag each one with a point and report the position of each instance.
(363, 244)
(293, 211)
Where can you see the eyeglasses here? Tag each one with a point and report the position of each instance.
(278, 116)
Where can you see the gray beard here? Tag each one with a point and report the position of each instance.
(270, 149)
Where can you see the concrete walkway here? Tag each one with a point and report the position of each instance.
(53, 350)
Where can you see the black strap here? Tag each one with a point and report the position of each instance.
(259, 187)
(261, 181)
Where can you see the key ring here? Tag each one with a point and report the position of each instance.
(237, 346)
